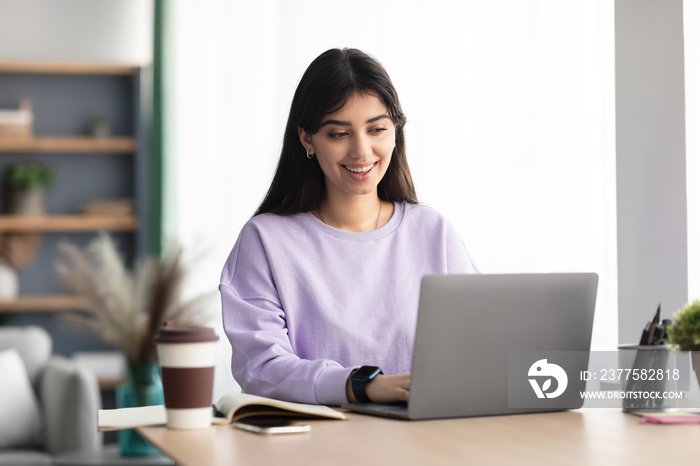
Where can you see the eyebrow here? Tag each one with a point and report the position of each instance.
(347, 123)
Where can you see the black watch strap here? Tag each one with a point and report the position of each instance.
(359, 380)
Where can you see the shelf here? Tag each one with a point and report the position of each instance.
(66, 96)
(66, 68)
(43, 303)
(17, 223)
(69, 144)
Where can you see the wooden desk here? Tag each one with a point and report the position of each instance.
(594, 436)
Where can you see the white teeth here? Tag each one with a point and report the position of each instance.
(360, 170)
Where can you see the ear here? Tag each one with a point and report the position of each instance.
(305, 139)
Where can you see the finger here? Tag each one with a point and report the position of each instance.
(404, 381)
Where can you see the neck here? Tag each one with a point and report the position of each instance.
(358, 214)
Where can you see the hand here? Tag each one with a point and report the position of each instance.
(385, 388)
(389, 388)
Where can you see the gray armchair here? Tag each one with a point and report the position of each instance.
(68, 398)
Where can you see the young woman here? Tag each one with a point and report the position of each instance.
(320, 293)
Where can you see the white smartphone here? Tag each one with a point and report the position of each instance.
(270, 427)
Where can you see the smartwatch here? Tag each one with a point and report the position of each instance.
(360, 378)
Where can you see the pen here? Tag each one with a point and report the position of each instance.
(650, 331)
(656, 330)
(657, 316)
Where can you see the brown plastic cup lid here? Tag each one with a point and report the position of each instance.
(171, 332)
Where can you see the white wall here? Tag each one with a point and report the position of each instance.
(114, 31)
(651, 164)
(691, 17)
(654, 243)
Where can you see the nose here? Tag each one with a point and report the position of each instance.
(361, 147)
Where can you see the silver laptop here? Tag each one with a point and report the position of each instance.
(468, 327)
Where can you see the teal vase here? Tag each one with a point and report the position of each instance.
(142, 388)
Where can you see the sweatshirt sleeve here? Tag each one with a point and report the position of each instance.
(457, 257)
(263, 361)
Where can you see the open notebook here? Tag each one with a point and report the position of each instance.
(229, 408)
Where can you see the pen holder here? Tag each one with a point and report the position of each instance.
(649, 372)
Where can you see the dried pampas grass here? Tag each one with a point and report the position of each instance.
(128, 307)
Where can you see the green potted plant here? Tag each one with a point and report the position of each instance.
(27, 183)
(684, 333)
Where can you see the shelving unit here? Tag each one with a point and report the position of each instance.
(70, 144)
(64, 97)
(54, 67)
(39, 303)
(67, 223)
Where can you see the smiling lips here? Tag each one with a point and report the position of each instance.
(361, 170)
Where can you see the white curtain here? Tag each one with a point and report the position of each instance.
(511, 126)
(691, 17)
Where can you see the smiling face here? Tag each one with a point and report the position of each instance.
(353, 146)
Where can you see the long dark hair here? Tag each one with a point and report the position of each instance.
(329, 81)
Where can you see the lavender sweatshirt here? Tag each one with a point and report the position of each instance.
(304, 303)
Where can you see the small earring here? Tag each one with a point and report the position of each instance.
(309, 155)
